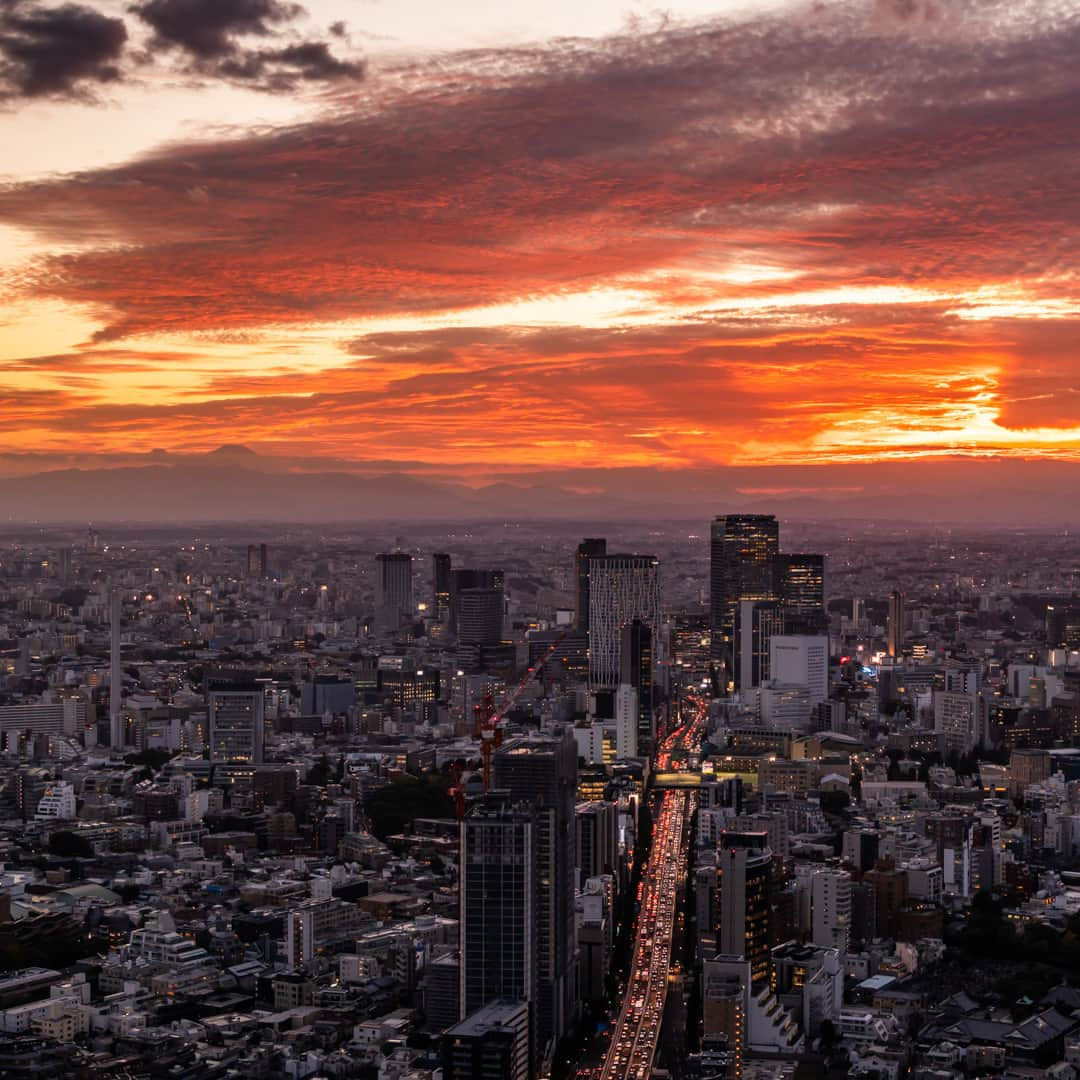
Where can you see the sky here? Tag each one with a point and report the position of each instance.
(480, 239)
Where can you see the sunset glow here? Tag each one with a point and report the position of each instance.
(751, 239)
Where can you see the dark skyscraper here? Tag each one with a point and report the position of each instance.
(541, 771)
(743, 879)
(498, 904)
(393, 589)
(800, 587)
(440, 586)
(587, 549)
(897, 631)
(480, 616)
(744, 549)
(636, 670)
(462, 580)
(756, 623)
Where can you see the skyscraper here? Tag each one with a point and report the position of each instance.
(744, 872)
(800, 588)
(480, 616)
(116, 676)
(743, 555)
(636, 672)
(236, 719)
(541, 771)
(440, 581)
(463, 579)
(897, 619)
(757, 622)
(622, 588)
(393, 589)
(498, 904)
(589, 548)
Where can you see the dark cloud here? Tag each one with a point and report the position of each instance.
(209, 29)
(215, 38)
(57, 51)
(281, 69)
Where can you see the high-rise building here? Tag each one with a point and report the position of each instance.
(757, 622)
(800, 588)
(394, 589)
(440, 586)
(237, 723)
(830, 909)
(463, 580)
(589, 548)
(896, 628)
(744, 874)
(498, 896)
(801, 660)
(491, 1042)
(541, 771)
(626, 722)
(742, 566)
(622, 588)
(480, 616)
(116, 675)
(258, 561)
(636, 671)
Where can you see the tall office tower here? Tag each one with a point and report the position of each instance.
(498, 896)
(800, 587)
(636, 671)
(897, 619)
(626, 722)
(491, 1042)
(464, 579)
(264, 561)
(830, 909)
(622, 588)
(801, 660)
(394, 589)
(252, 568)
(440, 586)
(116, 675)
(744, 874)
(480, 616)
(757, 622)
(588, 549)
(742, 566)
(64, 565)
(237, 720)
(542, 771)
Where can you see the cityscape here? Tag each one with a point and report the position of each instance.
(539, 541)
(735, 799)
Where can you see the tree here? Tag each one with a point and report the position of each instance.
(392, 808)
(67, 844)
(155, 760)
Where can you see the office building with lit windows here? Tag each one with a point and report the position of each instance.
(622, 589)
(743, 878)
(742, 566)
(237, 722)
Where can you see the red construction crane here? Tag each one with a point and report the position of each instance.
(492, 723)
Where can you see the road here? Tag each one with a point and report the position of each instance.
(633, 1045)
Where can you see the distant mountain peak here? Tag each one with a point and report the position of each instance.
(232, 450)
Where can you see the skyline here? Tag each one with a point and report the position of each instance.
(794, 237)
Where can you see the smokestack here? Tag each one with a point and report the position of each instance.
(116, 679)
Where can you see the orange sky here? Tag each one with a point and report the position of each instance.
(817, 233)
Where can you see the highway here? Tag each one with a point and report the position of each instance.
(633, 1044)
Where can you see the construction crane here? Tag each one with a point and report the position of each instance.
(491, 722)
